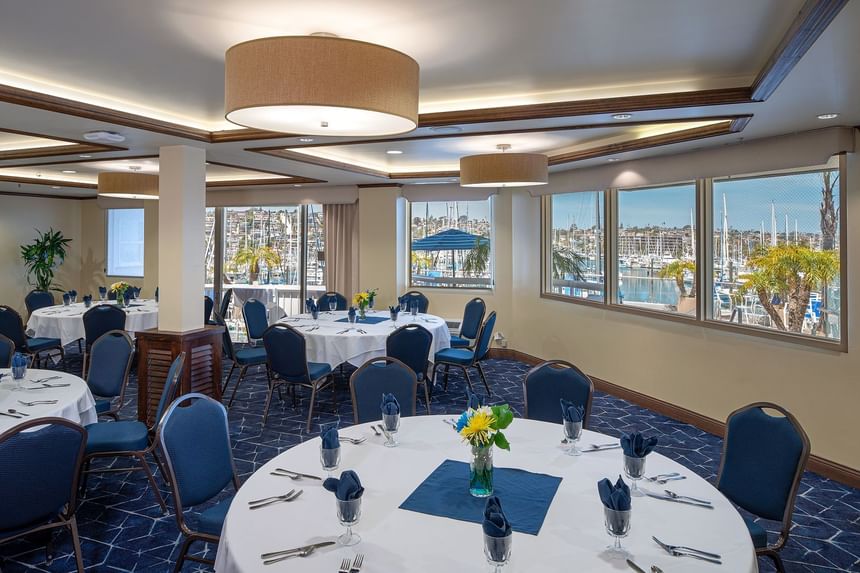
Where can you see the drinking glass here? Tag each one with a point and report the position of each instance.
(404, 306)
(414, 308)
(573, 431)
(332, 305)
(67, 300)
(315, 314)
(329, 458)
(74, 298)
(497, 550)
(352, 318)
(391, 423)
(102, 296)
(394, 318)
(348, 514)
(634, 468)
(618, 526)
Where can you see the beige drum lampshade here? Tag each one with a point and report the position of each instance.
(503, 170)
(128, 185)
(321, 85)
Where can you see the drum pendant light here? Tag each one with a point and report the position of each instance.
(128, 185)
(503, 169)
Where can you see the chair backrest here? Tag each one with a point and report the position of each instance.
(286, 352)
(101, 319)
(226, 299)
(39, 472)
(473, 315)
(482, 346)
(380, 376)
(7, 351)
(412, 296)
(171, 387)
(37, 299)
(323, 300)
(208, 305)
(12, 327)
(110, 361)
(763, 461)
(226, 340)
(256, 318)
(195, 440)
(548, 382)
(411, 345)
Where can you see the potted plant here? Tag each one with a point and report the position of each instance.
(676, 270)
(42, 256)
(253, 256)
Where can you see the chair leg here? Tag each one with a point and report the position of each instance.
(76, 544)
(85, 475)
(84, 365)
(162, 469)
(186, 544)
(236, 387)
(468, 379)
(80, 348)
(483, 378)
(268, 402)
(427, 395)
(777, 561)
(145, 465)
(445, 379)
(227, 381)
(311, 406)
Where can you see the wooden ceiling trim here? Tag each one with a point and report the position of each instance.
(257, 182)
(51, 182)
(53, 151)
(323, 162)
(44, 196)
(256, 170)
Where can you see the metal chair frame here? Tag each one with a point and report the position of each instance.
(475, 363)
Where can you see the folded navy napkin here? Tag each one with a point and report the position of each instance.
(351, 312)
(73, 293)
(347, 488)
(102, 290)
(127, 295)
(389, 405)
(311, 305)
(88, 297)
(636, 445)
(395, 310)
(136, 292)
(19, 360)
(616, 497)
(495, 523)
(330, 439)
(570, 411)
(473, 399)
(67, 298)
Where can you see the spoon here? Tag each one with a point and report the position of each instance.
(375, 431)
(13, 411)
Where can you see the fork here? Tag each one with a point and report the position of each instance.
(354, 441)
(671, 493)
(682, 551)
(37, 402)
(302, 553)
(663, 481)
(356, 565)
(285, 475)
(280, 499)
(375, 431)
(344, 566)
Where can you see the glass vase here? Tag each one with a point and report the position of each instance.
(481, 471)
(362, 312)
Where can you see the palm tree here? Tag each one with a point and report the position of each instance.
(478, 259)
(675, 270)
(253, 256)
(828, 211)
(566, 262)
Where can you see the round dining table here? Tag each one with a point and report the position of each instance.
(67, 322)
(74, 402)
(332, 340)
(572, 538)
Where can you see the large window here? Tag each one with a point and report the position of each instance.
(451, 244)
(315, 275)
(576, 245)
(657, 248)
(125, 238)
(776, 252)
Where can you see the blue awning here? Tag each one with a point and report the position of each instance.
(449, 240)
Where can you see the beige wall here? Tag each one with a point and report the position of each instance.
(19, 217)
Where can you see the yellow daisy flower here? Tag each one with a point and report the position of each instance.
(479, 428)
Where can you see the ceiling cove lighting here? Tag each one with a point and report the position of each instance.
(128, 185)
(321, 85)
(503, 169)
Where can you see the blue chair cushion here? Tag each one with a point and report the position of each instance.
(460, 342)
(103, 405)
(125, 436)
(251, 356)
(37, 344)
(211, 520)
(318, 369)
(757, 532)
(455, 356)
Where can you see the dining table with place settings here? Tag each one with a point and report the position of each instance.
(44, 394)
(399, 532)
(332, 339)
(67, 322)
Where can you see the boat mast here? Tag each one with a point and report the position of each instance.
(724, 240)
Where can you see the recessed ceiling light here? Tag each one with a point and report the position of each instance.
(297, 185)
(622, 116)
(828, 116)
(84, 156)
(69, 171)
(306, 139)
(612, 159)
(55, 186)
(394, 152)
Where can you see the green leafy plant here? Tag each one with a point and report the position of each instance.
(42, 256)
(253, 256)
(478, 259)
(567, 262)
(675, 270)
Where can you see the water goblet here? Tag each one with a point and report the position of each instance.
(332, 305)
(103, 296)
(74, 298)
(391, 423)
(634, 468)
(352, 317)
(348, 514)
(330, 459)
(404, 306)
(315, 314)
(67, 299)
(618, 526)
(414, 308)
(394, 318)
(497, 551)
(573, 431)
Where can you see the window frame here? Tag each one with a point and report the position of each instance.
(108, 274)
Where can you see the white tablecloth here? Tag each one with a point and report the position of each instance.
(573, 536)
(330, 345)
(67, 323)
(74, 402)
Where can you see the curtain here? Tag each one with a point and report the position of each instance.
(341, 248)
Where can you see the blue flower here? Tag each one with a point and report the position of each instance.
(464, 419)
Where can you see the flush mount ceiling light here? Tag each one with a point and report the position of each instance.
(622, 116)
(100, 135)
(321, 85)
(128, 185)
(503, 169)
(394, 152)
(828, 116)
(69, 171)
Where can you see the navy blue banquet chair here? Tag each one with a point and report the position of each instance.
(110, 362)
(7, 351)
(195, 442)
(548, 382)
(12, 327)
(244, 358)
(98, 321)
(39, 477)
(763, 461)
(464, 358)
(37, 299)
(380, 376)
(226, 298)
(411, 344)
(323, 300)
(473, 316)
(287, 364)
(208, 306)
(131, 438)
(256, 319)
(415, 296)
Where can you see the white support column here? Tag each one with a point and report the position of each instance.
(181, 215)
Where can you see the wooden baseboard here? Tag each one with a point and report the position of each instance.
(827, 468)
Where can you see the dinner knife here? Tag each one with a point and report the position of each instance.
(298, 474)
(296, 550)
(634, 566)
(684, 501)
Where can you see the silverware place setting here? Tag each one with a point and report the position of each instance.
(375, 431)
(16, 412)
(43, 380)
(632, 564)
(354, 441)
(345, 331)
(299, 474)
(36, 402)
(384, 431)
(678, 499)
(601, 447)
(278, 556)
(665, 478)
(678, 496)
(684, 551)
(10, 415)
(266, 501)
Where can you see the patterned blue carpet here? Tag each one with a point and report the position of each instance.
(122, 528)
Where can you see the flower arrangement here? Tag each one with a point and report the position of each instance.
(482, 429)
(119, 288)
(363, 300)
